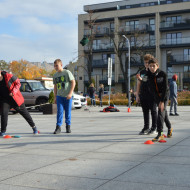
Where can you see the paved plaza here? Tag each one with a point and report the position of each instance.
(103, 152)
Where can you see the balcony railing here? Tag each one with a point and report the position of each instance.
(136, 28)
(101, 47)
(102, 78)
(98, 32)
(174, 24)
(100, 63)
(175, 41)
(140, 43)
(178, 59)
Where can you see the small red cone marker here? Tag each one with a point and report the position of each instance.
(149, 142)
(162, 141)
(7, 137)
(129, 109)
(164, 136)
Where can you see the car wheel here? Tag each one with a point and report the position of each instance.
(78, 107)
(39, 102)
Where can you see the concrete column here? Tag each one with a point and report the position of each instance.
(116, 39)
(158, 36)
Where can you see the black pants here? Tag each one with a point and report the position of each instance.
(5, 107)
(163, 117)
(147, 106)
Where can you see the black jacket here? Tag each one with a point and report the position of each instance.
(91, 91)
(158, 85)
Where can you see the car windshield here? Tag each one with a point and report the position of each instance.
(37, 86)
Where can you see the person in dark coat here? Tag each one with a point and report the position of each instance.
(173, 96)
(11, 97)
(91, 92)
(158, 87)
(101, 93)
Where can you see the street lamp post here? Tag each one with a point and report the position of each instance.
(129, 71)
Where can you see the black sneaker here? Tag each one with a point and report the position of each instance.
(171, 114)
(169, 135)
(176, 114)
(57, 130)
(68, 129)
(144, 132)
(2, 134)
(35, 130)
(157, 138)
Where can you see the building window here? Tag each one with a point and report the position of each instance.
(80, 78)
(152, 4)
(96, 44)
(132, 41)
(173, 38)
(186, 68)
(186, 54)
(152, 24)
(132, 25)
(106, 56)
(112, 27)
(173, 20)
(128, 7)
(142, 5)
(152, 40)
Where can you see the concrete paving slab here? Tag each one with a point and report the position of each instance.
(93, 168)
(161, 174)
(23, 162)
(54, 182)
(138, 148)
(118, 185)
(6, 173)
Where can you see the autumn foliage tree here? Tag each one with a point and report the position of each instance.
(23, 69)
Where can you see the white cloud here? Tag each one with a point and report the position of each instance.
(46, 29)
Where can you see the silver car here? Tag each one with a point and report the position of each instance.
(34, 93)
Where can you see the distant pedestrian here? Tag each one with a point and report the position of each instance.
(101, 93)
(11, 97)
(91, 92)
(173, 96)
(64, 84)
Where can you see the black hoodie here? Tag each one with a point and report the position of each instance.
(158, 85)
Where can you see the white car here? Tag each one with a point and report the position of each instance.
(78, 101)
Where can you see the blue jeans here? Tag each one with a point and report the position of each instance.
(93, 101)
(64, 104)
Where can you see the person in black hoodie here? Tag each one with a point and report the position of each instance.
(158, 86)
(144, 97)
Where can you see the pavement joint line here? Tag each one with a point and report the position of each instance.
(145, 161)
(26, 186)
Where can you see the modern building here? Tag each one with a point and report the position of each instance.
(159, 27)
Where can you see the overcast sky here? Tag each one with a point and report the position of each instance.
(38, 30)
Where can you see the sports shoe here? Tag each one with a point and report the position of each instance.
(171, 114)
(2, 134)
(152, 132)
(176, 114)
(68, 129)
(157, 138)
(57, 130)
(35, 130)
(169, 135)
(144, 132)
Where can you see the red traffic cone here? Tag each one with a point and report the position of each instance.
(7, 137)
(149, 142)
(164, 136)
(162, 141)
(129, 109)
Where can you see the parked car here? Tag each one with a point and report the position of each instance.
(78, 101)
(34, 93)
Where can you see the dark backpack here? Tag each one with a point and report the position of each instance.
(110, 109)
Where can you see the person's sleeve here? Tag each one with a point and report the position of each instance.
(70, 75)
(165, 85)
(17, 85)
